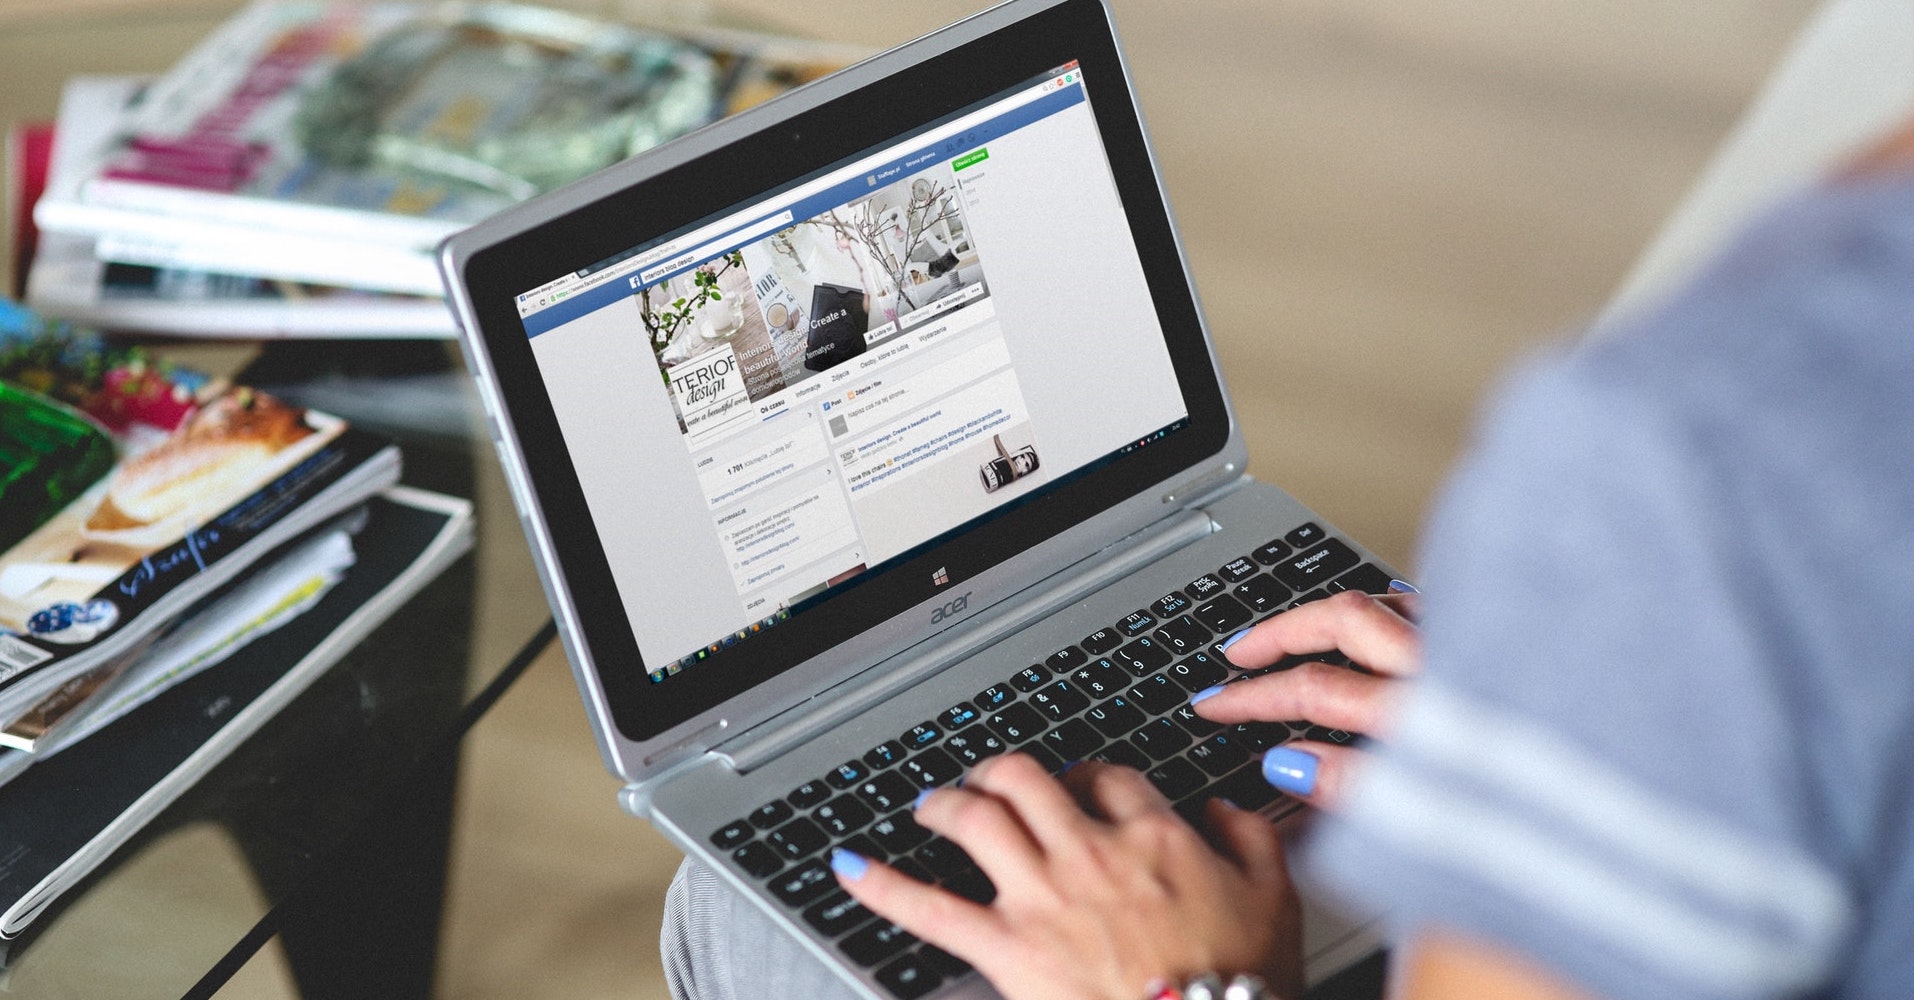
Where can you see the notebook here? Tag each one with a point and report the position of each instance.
(875, 431)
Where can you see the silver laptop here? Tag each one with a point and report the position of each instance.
(873, 432)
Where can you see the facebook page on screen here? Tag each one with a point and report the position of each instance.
(767, 407)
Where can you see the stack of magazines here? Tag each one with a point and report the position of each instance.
(157, 527)
(292, 175)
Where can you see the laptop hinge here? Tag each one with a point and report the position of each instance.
(852, 697)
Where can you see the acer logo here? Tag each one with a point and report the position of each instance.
(951, 610)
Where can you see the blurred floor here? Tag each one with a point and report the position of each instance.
(1383, 201)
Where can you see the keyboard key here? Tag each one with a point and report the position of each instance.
(1239, 569)
(1262, 595)
(1197, 672)
(1183, 636)
(908, 978)
(1171, 605)
(1317, 566)
(1176, 778)
(899, 833)
(1143, 656)
(1247, 788)
(1256, 737)
(1016, 724)
(1030, 678)
(732, 834)
(843, 816)
(1194, 723)
(1102, 641)
(771, 814)
(1204, 587)
(1115, 717)
(1305, 536)
(804, 883)
(1160, 739)
(1135, 624)
(1272, 552)
(835, 914)
(972, 746)
(1314, 595)
(1365, 578)
(885, 754)
(1059, 701)
(943, 858)
(1100, 679)
(1074, 740)
(798, 839)
(972, 885)
(931, 768)
(946, 964)
(922, 735)
(995, 697)
(1157, 694)
(1323, 734)
(876, 943)
(809, 794)
(861, 843)
(847, 774)
(1218, 755)
(1225, 614)
(958, 716)
(1065, 660)
(1037, 752)
(909, 868)
(887, 792)
(757, 859)
(1123, 753)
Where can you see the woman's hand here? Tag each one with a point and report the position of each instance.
(1377, 632)
(1101, 888)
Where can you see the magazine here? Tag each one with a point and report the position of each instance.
(336, 143)
(132, 491)
(66, 814)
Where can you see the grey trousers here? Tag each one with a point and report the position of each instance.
(717, 945)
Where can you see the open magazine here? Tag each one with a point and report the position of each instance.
(131, 493)
(338, 143)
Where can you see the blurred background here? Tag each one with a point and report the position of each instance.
(1385, 202)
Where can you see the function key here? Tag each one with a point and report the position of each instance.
(808, 794)
(885, 754)
(770, 814)
(1366, 578)
(1170, 605)
(1271, 552)
(1065, 660)
(1316, 566)
(1135, 624)
(1238, 569)
(1102, 641)
(996, 696)
(958, 716)
(732, 834)
(847, 774)
(1204, 587)
(757, 859)
(922, 735)
(1030, 678)
(1303, 537)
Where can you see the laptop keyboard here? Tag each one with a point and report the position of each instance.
(1119, 695)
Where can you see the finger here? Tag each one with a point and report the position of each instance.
(1248, 839)
(1118, 794)
(1369, 631)
(1336, 697)
(946, 920)
(1409, 606)
(986, 828)
(1317, 773)
(1045, 808)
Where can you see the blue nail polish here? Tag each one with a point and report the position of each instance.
(1233, 640)
(1068, 766)
(1208, 692)
(921, 796)
(849, 864)
(1402, 587)
(1292, 770)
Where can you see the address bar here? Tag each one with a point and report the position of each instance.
(745, 235)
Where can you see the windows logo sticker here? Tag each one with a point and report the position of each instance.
(941, 576)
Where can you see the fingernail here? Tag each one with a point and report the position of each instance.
(1230, 803)
(849, 864)
(1290, 769)
(1208, 692)
(921, 796)
(1233, 640)
(1401, 587)
(1068, 766)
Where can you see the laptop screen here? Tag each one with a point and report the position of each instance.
(840, 375)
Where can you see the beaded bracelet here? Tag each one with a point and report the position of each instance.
(1209, 986)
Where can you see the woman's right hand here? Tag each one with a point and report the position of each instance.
(1379, 633)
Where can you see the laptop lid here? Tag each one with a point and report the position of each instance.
(808, 387)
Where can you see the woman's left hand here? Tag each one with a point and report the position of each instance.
(1101, 888)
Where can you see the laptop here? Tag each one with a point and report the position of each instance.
(875, 431)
